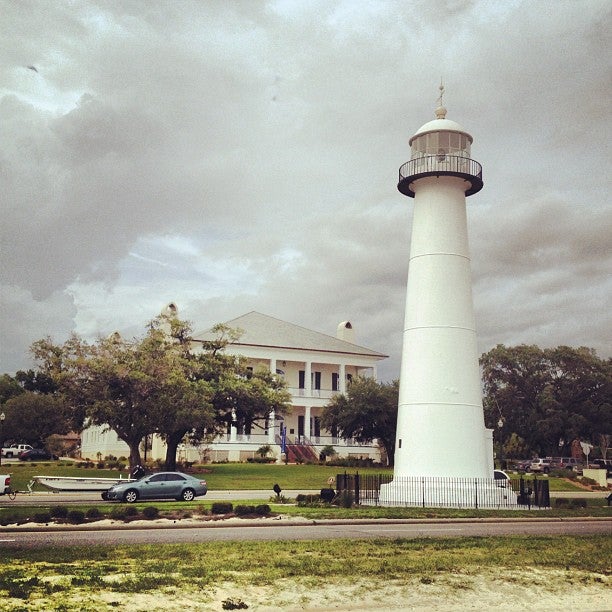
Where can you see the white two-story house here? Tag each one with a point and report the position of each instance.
(314, 365)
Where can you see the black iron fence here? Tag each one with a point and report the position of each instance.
(385, 490)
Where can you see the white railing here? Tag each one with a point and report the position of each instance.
(320, 393)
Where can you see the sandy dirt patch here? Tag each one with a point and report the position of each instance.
(525, 590)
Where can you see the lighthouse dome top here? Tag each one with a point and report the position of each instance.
(441, 125)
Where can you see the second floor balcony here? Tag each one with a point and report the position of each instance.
(316, 393)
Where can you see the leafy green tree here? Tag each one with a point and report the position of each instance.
(515, 447)
(33, 417)
(264, 451)
(157, 384)
(9, 387)
(112, 382)
(243, 398)
(39, 382)
(548, 397)
(367, 412)
(182, 407)
(327, 451)
(234, 394)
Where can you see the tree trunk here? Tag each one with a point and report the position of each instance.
(134, 454)
(172, 442)
(389, 446)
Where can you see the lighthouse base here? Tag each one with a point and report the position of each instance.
(430, 492)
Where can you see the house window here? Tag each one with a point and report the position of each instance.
(316, 380)
(335, 381)
(302, 379)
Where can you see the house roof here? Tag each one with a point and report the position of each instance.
(265, 331)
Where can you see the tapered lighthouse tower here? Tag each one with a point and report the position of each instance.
(440, 425)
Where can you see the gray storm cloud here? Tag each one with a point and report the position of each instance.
(243, 156)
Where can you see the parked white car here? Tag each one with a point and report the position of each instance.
(542, 466)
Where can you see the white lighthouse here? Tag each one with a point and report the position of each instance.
(440, 424)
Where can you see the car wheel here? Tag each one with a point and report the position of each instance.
(188, 495)
(130, 496)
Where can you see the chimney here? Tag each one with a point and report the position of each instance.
(346, 332)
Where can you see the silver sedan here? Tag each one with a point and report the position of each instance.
(162, 485)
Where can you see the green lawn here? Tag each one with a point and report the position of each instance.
(307, 574)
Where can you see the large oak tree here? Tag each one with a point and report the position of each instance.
(548, 397)
(157, 384)
(367, 412)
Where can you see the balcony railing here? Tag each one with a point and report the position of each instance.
(440, 165)
(322, 393)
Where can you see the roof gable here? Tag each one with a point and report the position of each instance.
(263, 330)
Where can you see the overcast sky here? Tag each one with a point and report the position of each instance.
(242, 155)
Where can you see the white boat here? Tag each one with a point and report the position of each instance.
(77, 483)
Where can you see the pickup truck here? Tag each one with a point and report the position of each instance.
(5, 484)
(14, 450)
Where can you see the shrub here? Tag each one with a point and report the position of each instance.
(131, 511)
(118, 513)
(93, 513)
(60, 512)
(150, 512)
(306, 499)
(346, 499)
(42, 517)
(234, 604)
(221, 508)
(279, 499)
(76, 516)
(8, 519)
(262, 510)
(244, 510)
(570, 504)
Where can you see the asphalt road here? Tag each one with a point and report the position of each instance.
(287, 530)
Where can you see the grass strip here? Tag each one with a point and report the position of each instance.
(52, 578)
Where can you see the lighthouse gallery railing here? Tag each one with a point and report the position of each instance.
(440, 165)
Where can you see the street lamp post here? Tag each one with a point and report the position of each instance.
(500, 424)
(2, 417)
